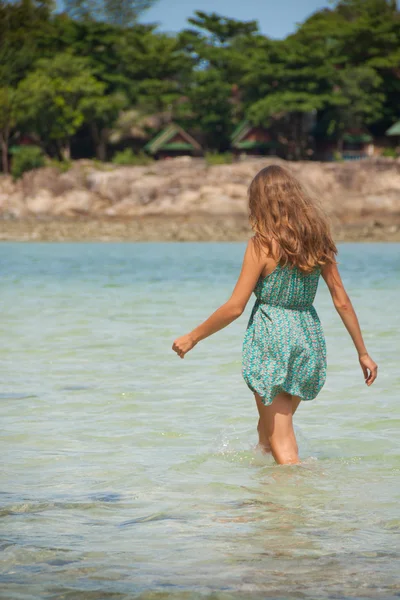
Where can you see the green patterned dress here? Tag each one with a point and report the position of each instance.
(284, 346)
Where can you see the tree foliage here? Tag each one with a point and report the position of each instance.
(8, 121)
(26, 159)
(116, 12)
(221, 29)
(52, 99)
(69, 76)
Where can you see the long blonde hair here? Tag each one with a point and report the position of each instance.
(283, 215)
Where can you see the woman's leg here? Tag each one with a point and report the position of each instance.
(263, 443)
(295, 403)
(276, 424)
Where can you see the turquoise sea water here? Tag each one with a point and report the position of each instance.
(128, 473)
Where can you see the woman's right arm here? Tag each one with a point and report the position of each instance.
(343, 305)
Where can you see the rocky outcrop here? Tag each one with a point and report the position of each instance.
(351, 193)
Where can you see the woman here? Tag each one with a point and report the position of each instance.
(284, 352)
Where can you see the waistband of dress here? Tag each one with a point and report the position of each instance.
(279, 307)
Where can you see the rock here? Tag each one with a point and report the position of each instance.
(72, 179)
(125, 208)
(73, 202)
(351, 193)
(148, 188)
(109, 185)
(7, 185)
(38, 180)
(187, 199)
(377, 224)
(41, 203)
(209, 191)
(13, 205)
(235, 190)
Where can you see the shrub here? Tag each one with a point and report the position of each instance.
(62, 165)
(26, 158)
(389, 152)
(214, 158)
(128, 157)
(337, 156)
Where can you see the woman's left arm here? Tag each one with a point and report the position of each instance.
(252, 266)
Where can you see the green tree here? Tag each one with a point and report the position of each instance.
(100, 44)
(221, 30)
(286, 83)
(357, 100)
(148, 56)
(51, 100)
(223, 44)
(208, 108)
(117, 12)
(123, 58)
(219, 49)
(22, 26)
(353, 9)
(26, 158)
(370, 37)
(341, 65)
(7, 122)
(157, 95)
(101, 113)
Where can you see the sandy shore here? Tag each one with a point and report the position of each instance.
(162, 228)
(186, 199)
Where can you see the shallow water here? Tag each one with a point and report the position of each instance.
(129, 473)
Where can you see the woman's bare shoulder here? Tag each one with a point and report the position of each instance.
(266, 256)
(261, 247)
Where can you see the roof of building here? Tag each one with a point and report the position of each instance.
(238, 138)
(178, 146)
(357, 138)
(394, 129)
(160, 141)
(240, 132)
(249, 144)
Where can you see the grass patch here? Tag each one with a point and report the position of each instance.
(128, 157)
(389, 153)
(215, 158)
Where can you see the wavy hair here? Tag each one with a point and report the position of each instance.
(280, 210)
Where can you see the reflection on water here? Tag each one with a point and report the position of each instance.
(127, 473)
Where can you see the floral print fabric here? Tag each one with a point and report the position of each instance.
(284, 345)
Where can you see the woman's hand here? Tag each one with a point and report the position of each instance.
(183, 344)
(252, 266)
(370, 369)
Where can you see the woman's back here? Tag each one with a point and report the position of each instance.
(288, 287)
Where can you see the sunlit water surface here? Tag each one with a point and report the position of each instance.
(129, 473)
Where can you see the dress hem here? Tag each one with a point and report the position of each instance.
(282, 389)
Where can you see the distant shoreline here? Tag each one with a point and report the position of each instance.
(160, 228)
(187, 200)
